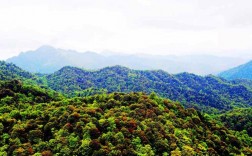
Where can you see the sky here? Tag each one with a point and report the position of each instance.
(158, 27)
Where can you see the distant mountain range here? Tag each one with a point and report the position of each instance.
(241, 72)
(47, 59)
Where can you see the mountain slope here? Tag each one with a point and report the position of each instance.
(238, 119)
(15, 92)
(9, 71)
(206, 91)
(202, 92)
(47, 59)
(241, 72)
(114, 124)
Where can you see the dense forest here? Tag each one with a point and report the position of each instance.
(238, 119)
(9, 71)
(244, 82)
(204, 93)
(108, 124)
(119, 111)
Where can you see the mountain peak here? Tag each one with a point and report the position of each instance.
(46, 48)
(48, 59)
(116, 67)
(67, 68)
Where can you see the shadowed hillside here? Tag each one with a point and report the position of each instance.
(209, 91)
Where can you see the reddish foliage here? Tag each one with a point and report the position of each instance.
(30, 150)
(131, 125)
(94, 133)
(95, 144)
(47, 153)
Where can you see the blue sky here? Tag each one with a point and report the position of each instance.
(164, 27)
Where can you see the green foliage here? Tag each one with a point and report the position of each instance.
(14, 92)
(109, 124)
(37, 121)
(208, 94)
(9, 71)
(238, 119)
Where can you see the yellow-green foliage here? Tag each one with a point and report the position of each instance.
(38, 123)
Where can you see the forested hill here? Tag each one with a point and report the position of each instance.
(9, 71)
(15, 92)
(188, 88)
(241, 72)
(109, 124)
(238, 119)
(245, 82)
(39, 121)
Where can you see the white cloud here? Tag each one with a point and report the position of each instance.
(219, 27)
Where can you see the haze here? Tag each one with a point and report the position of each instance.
(163, 27)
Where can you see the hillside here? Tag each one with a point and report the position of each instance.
(238, 119)
(110, 124)
(245, 82)
(188, 88)
(14, 92)
(203, 93)
(241, 72)
(47, 59)
(9, 71)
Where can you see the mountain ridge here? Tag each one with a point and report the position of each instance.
(207, 91)
(10, 71)
(240, 72)
(48, 59)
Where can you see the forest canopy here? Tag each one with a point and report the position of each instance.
(35, 121)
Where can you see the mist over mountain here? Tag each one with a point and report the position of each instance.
(47, 59)
(243, 71)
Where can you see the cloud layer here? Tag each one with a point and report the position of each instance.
(218, 27)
